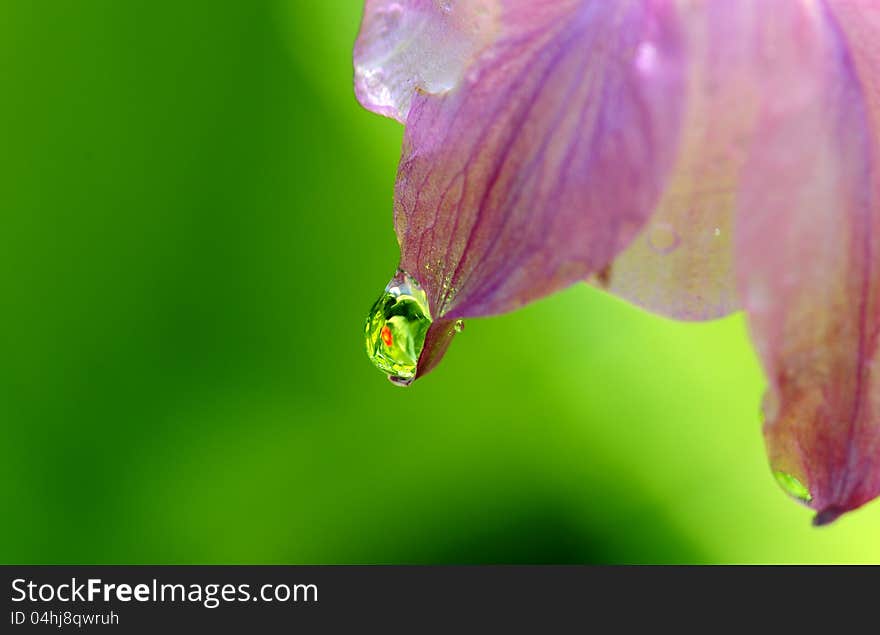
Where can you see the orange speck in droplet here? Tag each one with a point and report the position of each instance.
(386, 335)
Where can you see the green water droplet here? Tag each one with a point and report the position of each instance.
(792, 486)
(459, 326)
(396, 328)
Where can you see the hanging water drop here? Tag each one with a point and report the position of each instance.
(792, 486)
(396, 328)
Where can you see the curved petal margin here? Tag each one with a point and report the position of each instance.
(417, 45)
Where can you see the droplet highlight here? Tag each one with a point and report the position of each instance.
(396, 328)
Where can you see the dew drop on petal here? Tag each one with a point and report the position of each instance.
(792, 486)
(663, 238)
(396, 328)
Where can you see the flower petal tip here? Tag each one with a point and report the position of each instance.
(437, 342)
(828, 516)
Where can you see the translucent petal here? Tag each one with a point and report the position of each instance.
(548, 158)
(681, 264)
(808, 254)
(411, 45)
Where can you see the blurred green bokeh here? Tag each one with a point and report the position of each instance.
(196, 217)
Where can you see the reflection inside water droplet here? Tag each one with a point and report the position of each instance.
(663, 238)
(396, 329)
(792, 486)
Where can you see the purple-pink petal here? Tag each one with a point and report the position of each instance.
(546, 160)
(808, 254)
(692, 157)
(681, 264)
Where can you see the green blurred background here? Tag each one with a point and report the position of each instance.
(196, 216)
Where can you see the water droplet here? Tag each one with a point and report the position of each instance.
(717, 231)
(396, 328)
(663, 238)
(792, 486)
(459, 326)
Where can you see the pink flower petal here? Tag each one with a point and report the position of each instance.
(681, 265)
(808, 254)
(547, 159)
